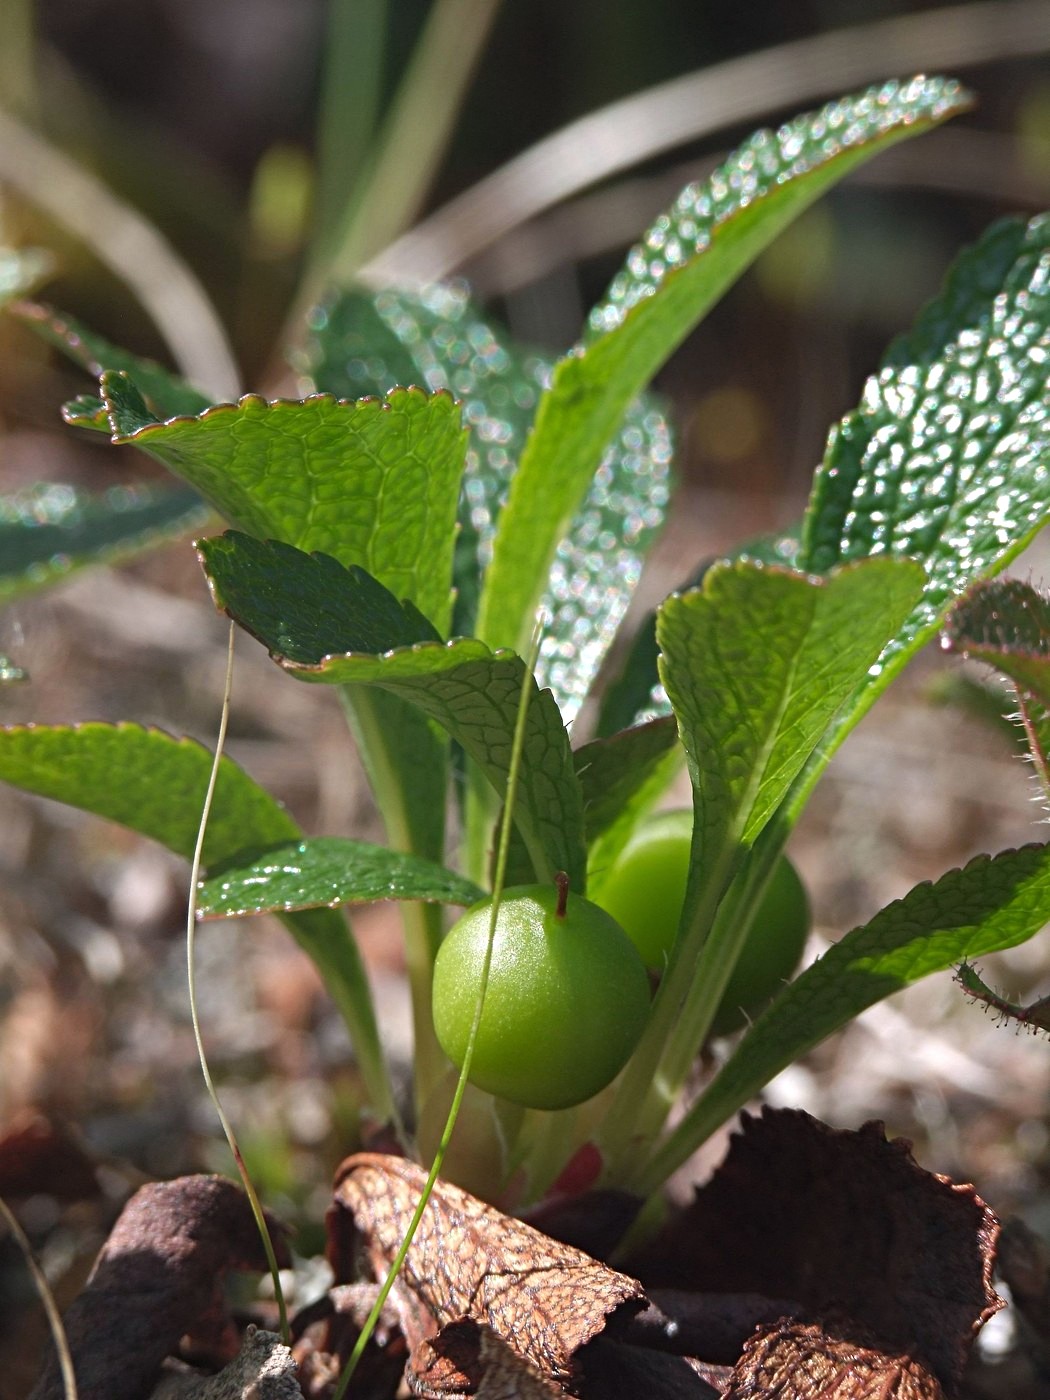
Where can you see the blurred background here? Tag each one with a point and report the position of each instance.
(237, 129)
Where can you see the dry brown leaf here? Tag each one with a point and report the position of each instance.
(713, 1326)
(157, 1278)
(611, 1370)
(842, 1220)
(467, 1358)
(544, 1299)
(803, 1361)
(326, 1331)
(594, 1221)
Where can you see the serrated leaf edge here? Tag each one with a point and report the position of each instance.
(386, 403)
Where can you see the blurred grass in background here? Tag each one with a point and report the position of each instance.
(206, 119)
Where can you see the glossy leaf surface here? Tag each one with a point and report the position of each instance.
(947, 459)
(51, 530)
(471, 692)
(307, 608)
(373, 483)
(436, 337)
(690, 256)
(161, 788)
(326, 871)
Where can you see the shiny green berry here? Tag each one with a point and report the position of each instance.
(566, 1001)
(645, 892)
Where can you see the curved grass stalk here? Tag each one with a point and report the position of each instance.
(43, 1288)
(18, 87)
(634, 129)
(972, 163)
(191, 928)
(514, 772)
(130, 246)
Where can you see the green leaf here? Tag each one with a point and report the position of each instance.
(994, 902)
(470, 691)
(372, 483)
(325, 872)
(690, 256)
(351, 349)
(436, 337)
(757, 664)
(86, 411)
(147, 780)
(1005, 623)
(945, 460)
(637, 694)
(614, 771)
(49, 531)
(621, 777)
(305, 612)
(974, 280)
(155, 784)
(167, 395)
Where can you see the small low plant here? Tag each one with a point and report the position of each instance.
(394, 534)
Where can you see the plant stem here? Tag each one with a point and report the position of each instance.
(480, 809)
(681, 1022)
(550, 1138)
(396, 744)
(643, 1096)
(704, 1118)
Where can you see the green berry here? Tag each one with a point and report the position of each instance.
(645, 892)
(566, 1001)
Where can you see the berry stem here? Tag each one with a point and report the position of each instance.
(561, 884)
